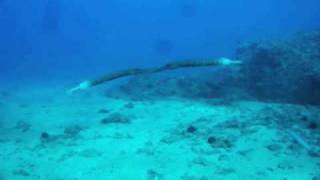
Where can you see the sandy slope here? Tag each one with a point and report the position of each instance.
(156, 144)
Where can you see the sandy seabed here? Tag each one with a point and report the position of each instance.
(46, 134)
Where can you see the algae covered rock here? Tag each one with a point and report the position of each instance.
(283, 70)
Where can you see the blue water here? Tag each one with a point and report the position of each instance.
(257, 120)
(58, 38)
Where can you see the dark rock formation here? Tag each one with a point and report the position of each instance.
(283, 70)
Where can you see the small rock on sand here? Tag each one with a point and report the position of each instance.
(72, 131)
(103, 111)
(115, 118)
(21, 172)
(274, 147)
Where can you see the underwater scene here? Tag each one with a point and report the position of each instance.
(160, 90)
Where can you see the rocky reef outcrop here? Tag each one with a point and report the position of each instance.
(283, 70)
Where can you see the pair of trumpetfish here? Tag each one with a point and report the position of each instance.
(138, 71)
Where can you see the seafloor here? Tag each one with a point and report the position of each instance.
(259, 121)
(53, 136)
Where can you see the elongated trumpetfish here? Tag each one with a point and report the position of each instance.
(171, 66)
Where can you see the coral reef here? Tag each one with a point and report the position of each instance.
(283, 70)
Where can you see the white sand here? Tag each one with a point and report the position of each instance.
(154, 146)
